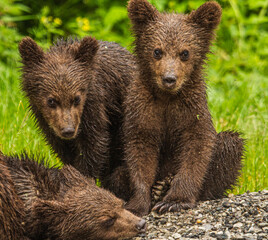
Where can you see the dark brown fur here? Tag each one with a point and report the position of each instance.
(167, 126)
(41, 203)
(11, 208)
(76, 91)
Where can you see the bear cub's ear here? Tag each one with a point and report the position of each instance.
(207, 15)
(30, 52)
(47, 211)
(141, 12)
(87, 50)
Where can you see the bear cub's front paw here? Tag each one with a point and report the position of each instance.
(163, 206)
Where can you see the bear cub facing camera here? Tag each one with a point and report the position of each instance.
(167, 125)
(75, 91)
(49, 203)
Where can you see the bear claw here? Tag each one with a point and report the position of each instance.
(163, 207)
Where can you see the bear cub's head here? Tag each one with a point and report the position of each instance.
(170, 47)
(86, 212)
(56, 82)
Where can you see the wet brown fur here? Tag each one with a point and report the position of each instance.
(92, 71)
(42, 203)
(169, 130)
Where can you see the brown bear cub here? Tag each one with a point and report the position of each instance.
(49, 203)
(167, 125)
(76, 90)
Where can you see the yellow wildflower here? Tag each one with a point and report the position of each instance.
(85, 28)
(43, 19)
(57, 21)
(85, 21)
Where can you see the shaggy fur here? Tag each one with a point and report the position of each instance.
(167, 126)
(75, 91)
(42, 203)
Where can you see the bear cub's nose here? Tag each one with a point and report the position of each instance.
(67, 132)
(169, 81)
(141, 226)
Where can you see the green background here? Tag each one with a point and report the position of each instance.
(237, 70)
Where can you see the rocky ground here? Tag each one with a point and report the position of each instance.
(236, 217)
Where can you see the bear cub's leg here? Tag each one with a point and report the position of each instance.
(222, 174)
(225, 166)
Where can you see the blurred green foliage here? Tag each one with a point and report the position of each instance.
(243, 29)
(237, 72)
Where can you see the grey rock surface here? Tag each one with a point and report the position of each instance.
(236, 217)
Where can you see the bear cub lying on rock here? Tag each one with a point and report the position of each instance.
(49, 203)
(167, 125)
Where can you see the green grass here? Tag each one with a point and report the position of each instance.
(237, 72)
(237, 101)
(17, 129)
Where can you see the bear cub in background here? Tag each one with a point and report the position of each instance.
(75, 91)
(167, 125)
(49, 203)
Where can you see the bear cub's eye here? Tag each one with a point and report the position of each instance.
(109, 222)
(184, 55)
(158, 53)
(77, 100)
(51, 102)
